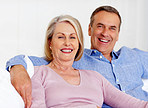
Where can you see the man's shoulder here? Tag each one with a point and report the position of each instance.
(87, 50)
(131, 53)
(37, 61)
(37, 58)
(127, 50)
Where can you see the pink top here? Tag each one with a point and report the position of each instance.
(50, 90)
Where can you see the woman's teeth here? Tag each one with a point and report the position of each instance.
(66, 50)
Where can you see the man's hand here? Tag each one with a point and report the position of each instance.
(22, 83)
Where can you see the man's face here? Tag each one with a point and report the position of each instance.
(104, 32)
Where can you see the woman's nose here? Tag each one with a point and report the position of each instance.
(67, 42)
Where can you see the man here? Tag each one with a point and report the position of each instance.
(124, 68)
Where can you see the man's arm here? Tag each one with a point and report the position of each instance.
(19, 76)
(22, 83)
(19, 59)
(143, 58)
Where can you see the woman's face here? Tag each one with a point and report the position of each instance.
(64, 43)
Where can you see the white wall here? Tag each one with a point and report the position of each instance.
(23, 23)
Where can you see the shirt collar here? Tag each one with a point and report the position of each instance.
(114, 55)
(92, 51)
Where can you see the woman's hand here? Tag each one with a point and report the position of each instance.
(22, 83)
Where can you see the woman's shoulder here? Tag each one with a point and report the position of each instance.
(92, 73)
(41, 70)
(93, 77)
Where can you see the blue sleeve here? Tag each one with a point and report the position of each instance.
(143, 56)
(19, 59)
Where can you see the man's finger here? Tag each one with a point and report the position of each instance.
(22, 94)
(28, 97)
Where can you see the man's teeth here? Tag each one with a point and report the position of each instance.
(103, 40)
(67, 50)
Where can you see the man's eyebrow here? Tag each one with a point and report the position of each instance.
(100, 24)
(114, 26)
(110, 26)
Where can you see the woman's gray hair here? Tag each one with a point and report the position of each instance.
(50, 31)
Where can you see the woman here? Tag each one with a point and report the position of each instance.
(59, 85)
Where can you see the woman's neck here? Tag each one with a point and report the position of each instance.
(61, 65)
(66, 71)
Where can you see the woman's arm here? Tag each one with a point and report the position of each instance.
(119, 99)
(38, 91)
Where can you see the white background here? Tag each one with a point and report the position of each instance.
(23, 23)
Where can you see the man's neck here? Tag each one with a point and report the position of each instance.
(108, 56)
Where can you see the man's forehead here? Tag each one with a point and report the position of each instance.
(106, 18)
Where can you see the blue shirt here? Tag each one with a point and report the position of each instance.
(125, 71)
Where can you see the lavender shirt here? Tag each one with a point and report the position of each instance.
(49, 90)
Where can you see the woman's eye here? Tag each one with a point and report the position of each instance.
(60, 37)
(73, 37)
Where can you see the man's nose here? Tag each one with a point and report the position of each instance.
(105, 32)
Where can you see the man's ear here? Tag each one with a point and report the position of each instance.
(89, 30)
(117, 37)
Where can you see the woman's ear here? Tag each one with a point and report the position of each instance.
(49, 43)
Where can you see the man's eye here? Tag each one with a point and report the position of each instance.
(99, 26)
(113, 28)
